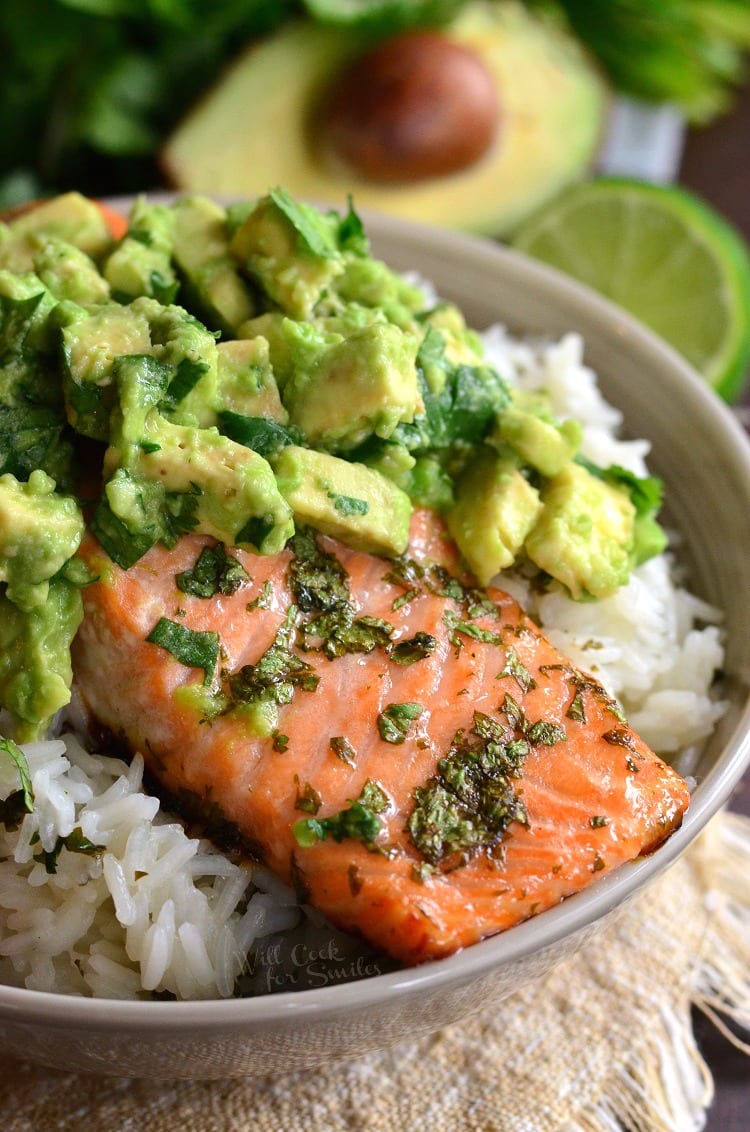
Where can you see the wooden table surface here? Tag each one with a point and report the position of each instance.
(716, 164)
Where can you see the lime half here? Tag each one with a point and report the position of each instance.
(662, 254)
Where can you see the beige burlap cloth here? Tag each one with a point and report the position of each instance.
(604, 1043)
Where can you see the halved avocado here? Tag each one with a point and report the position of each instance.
(261, 125)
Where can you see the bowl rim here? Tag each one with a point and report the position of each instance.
(532, 936)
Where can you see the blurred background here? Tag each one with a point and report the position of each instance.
(102, 95)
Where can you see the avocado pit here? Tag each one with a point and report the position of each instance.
(415, 106)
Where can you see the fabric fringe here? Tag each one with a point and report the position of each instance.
(722, 982)
(666, 1086)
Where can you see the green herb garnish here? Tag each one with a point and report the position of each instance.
(191, 647)
(395, 721)
(468, 629)
(358, 822)
(276, 675)
(307, 800)
(416, 648)
(343, 749)
(20, 800)
(374, 797)
(546, 734)
(214, 572)
(263, 599)
(74, 842)
(348, 505)
(470, 803)
(515, 668)
(320, 586)
(264, 435)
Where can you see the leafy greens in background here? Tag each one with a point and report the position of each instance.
(89, 89)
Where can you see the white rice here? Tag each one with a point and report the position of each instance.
(155, 911)
(152, 910)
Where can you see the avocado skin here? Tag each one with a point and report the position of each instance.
(553, 106)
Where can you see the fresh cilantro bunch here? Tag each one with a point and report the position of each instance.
(90, 88)
(687, 52)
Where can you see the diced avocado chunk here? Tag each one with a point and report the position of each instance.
(291, 250)
(347, 501)
(91, 346)
(292, 345)
(649, 539)
(40, 607)
(224, 490)
(239, 502)
(70, 217)
(201, 252)
(35, 667)
(463, 346)
(584, 535)
(246, 383)
(70, 274)
(423, 477)
(39, 531)
(370, 283)
(181, 342)
(495, 509)
(540, 441)
(32, 414)
(363, 384)
(141, 264)
(25, 307)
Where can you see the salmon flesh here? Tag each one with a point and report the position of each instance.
(408, 751)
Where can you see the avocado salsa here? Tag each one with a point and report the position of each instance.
(248, 373)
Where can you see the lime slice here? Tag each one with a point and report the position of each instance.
(662, 254)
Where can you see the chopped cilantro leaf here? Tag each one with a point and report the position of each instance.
(307, 800)
(191, 647)
(545, 733)
(455, 626)
(395, 721)
(348, 505)
(320, 585)
(74, 842)
(313, 230)
(263, 435)
(355, 822)
(263, 600)
(374, 797)
(214, 572)
(23, 798)
(343, 749)
(187, 375)
(351, 232)
(577, 709)
(278, 672)
(415, 648)
(514, 667)
(470, 803)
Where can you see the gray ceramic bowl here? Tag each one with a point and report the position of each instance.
(704, 458)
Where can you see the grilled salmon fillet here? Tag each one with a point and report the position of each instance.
(411, 753)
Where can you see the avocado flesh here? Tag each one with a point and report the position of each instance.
(201, 252)
(494, 511)
(40, 608)
(141, 264)
(553, 104)
(70, 217)
(344, 500)
(584, 535)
